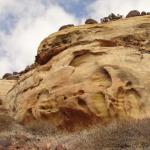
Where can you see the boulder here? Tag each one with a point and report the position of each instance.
(105, 19)
(86, 75)
(148, 13)
(15, 73)
(113, 17)
(133, 13)
(5, 86)
(90, 21)
(66, 26)
(9, 76)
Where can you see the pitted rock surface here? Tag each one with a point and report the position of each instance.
(85, 74)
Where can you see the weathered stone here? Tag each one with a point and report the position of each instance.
(105, 19)
(113, 17)
(15, 73)
(66, 27)
(90, 21)
(27, 69)
(88, 74)
(148, 13)
(133, 13)
(143, 13)
(43, 57)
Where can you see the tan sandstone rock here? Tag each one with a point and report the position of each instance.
(86, 74)
(133, 13)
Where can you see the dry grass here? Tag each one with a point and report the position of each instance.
(41, 128)
(6, 122)
(118, 135)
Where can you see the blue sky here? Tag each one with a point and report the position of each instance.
(76, 7)
(25, 23)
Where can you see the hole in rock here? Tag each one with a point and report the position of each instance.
(81, 102)
(129, 83)
(81, 92)
(65, 97)
(107, 43)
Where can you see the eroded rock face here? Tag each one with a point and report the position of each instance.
(143, 13)
(9, 76)
(87, 74)
(111, 17)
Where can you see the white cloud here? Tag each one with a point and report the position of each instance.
(102, 8)
(35, 22)
(36, 19)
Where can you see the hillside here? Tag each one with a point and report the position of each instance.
(84, 78)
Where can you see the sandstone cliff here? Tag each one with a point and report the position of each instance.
(86, 74)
